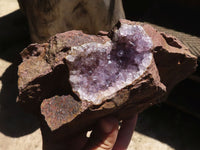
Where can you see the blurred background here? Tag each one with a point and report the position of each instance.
(173, 125)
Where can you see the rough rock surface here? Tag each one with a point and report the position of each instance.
(75, 78)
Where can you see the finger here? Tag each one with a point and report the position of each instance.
(51, 142)
(67, 143)
(76, 143)
(125, 133)
(104, 135)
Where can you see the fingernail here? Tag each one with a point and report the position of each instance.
(107, 124)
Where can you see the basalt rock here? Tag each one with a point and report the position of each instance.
(75, 78)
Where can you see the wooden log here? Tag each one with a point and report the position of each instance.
(48, 17)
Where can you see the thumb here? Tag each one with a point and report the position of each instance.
(104, 135)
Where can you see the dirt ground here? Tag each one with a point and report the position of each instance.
(159, 128)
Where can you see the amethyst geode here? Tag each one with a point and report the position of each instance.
(97, 71)
(77, 77)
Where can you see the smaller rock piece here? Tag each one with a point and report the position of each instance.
(60, 110)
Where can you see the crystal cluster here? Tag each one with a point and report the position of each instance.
(100, 70)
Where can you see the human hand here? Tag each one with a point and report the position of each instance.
(106, 135)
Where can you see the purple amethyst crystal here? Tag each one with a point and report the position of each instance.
(98, 71)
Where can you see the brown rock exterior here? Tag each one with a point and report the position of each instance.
(47, 83)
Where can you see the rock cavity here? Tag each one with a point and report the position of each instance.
(98, 71)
